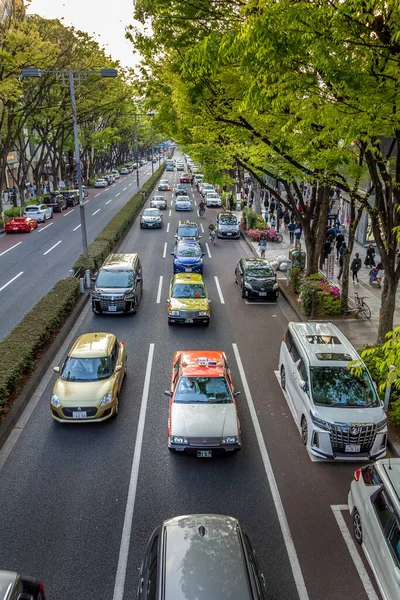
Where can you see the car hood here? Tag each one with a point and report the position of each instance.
(270, 279)
(211, 420)
(189, 304)
(350, 415)
(146, 218)
(223, 226)
(81, 393)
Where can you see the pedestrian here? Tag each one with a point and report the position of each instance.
(266, 202)
(339, 241)
(370, 256)
(231, 202)
(286, 219)
(327, 249)
(355, 266)
(266, 215)
(380, 275)
(298, 232)
(273, 222)
(272, 207)
(342, 253)
(291, 228)
(262, 245)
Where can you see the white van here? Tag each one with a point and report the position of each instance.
(340, 416)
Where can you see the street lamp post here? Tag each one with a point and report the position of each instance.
(67, 77)
(136, 152)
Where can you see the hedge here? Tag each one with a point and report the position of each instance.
(18, 351)
(115, 229)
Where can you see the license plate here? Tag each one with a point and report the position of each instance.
(188, 270)
(15, 228)
(352, 448)
(188, 320)
(150, 224)
(262, 293)
(82, 414)
(229, 234)
(204, 453)
(112, 309)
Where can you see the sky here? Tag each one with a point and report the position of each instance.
(104, 21)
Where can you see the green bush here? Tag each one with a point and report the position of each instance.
(374, 363)
(319, 297)
(20, 349)
(251, 219)
(295, 279)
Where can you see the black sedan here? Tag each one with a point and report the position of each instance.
(151, 218)
(181, 189)
(256, 278)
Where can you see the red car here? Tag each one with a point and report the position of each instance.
(18, 224)
(184, 178)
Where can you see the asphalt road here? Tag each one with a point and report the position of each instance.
(79, 502)
(30, 264)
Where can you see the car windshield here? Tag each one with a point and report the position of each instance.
(208, 390)
(261, 271)
(187, 231)
(151, 212)
(188, 290)
(228, 220)
(183, 199)
(188, 250)
(337, 386)
(86, 369)
(114, 279)
(158, 199)
(32, 209)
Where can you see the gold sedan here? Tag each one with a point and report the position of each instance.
(90, 380)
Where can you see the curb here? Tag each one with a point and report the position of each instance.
(23, 399)
(393, 447)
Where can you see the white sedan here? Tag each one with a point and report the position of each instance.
(100, 183)
(124, 171)
(213, 199)
(39, 212)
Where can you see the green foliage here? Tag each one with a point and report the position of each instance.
(318, 297)
(295, 279)
(20, 349)
(251, 219)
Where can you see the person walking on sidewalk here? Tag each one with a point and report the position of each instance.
(262, 246)
(339, 242)
(355, 266)
(291, 228)
(370, 257)
(342, 253)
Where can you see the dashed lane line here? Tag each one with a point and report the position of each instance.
(11, 280)
(12, 247)
(202, 228)
(43, 228)
(159, 290)
(165, 250)
(208, 250)
(68, 213)
(170, 212)
(124, 189)
(96, 211)
(52, 248)
(168, 228)
(219, 290)
(75, 228)
(108, 201)
(116, 195)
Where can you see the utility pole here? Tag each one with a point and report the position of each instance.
(136, 152)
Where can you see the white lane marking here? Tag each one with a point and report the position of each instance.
(86, 201)
(198, 214)
(52, 248)
(219, 290)
(68, 213)
(11, 280)
(202, 228)
(15, 245)
(43, 228)
(124, 189)
(165, 250)
(129, 185)
(170, 212)
(75, 228)
(97, 195)
(280, 511)
(352, 548)
(168, 228)
(116, 195)
(96, 211)
(208, 250)
(159, 290)
(108, 201)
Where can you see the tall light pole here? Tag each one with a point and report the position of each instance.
(136, 151)
(67, 77)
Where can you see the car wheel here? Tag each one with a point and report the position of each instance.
(135, 306)
(357, 527)
(304, 431)
(243, 292)
(170, 322)
(283, 378)
(44, 218)
(116, 410)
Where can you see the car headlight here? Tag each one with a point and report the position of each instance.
(107, 399)
(275, 286)
(203, 313)
(96, 295)
(55, 401)
(381, 425)
(247, 285)
(178, 439)
(320, 423)
(174, 313)
(230, 439)
(129, 296)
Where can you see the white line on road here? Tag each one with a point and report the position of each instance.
(129, 185)
(168, 228)
(86, 201)
(287, 536)
(97, 195)
(108, 201)
(165, 250)
(159, 290)
(124, 189)
(52, 248)
(68, 213)
(75, 228)
(202, 228)
(198, 214)
(15, 245)
(219, 290)
(208, 251)
(96, 211)
(352, 548)
(116, 195)
(11, 280)
(170, 212)
(43, 228)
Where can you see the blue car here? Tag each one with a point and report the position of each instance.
(188, 257)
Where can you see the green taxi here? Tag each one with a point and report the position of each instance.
(188, 300)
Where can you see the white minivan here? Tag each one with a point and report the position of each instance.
(340, 416)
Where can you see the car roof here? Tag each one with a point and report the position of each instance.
(389, 472)
(152, 209)
(7, 581)
(209, 363)
(188, 243)
(93, 345)
(185, 223)
(256, 261)
(324, 339)
(158, 198)
(213, 544)
(188, 278)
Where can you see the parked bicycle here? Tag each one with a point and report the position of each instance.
(359, 306)
(274, 236)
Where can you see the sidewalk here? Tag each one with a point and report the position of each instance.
(359, 331)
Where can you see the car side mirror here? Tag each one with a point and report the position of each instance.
(203, 253)
(168, 393)
(172, 254)
(168, 299)
(138, 278)
(118, 368)
(303, 385)
(56, 369)
(236, 393)
(209, 301)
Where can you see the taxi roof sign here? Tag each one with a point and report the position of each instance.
(203, 361)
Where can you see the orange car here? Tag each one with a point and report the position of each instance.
(18, 224)
(203, 415)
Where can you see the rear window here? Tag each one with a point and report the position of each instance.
(187, 231)
(228, 220)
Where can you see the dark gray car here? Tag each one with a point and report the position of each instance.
(207, 556)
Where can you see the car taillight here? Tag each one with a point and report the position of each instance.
(357, 474)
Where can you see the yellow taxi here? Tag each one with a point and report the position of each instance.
(90, 380)
(188, 300)
(203, 415)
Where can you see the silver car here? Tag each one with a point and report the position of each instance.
(158, 202)
(183, 203)
(210, 553)
(39, 212)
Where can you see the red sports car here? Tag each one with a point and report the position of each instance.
(18, 224)
(184, 178)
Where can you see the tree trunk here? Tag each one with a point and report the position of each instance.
(388, 305)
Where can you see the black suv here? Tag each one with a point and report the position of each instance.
(56, 201)
(256, 279)
(71, 196)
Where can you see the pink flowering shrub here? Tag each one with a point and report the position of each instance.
(254, 234)
(315, 289)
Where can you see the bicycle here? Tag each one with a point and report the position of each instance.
(361, 307)
(211, 236)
